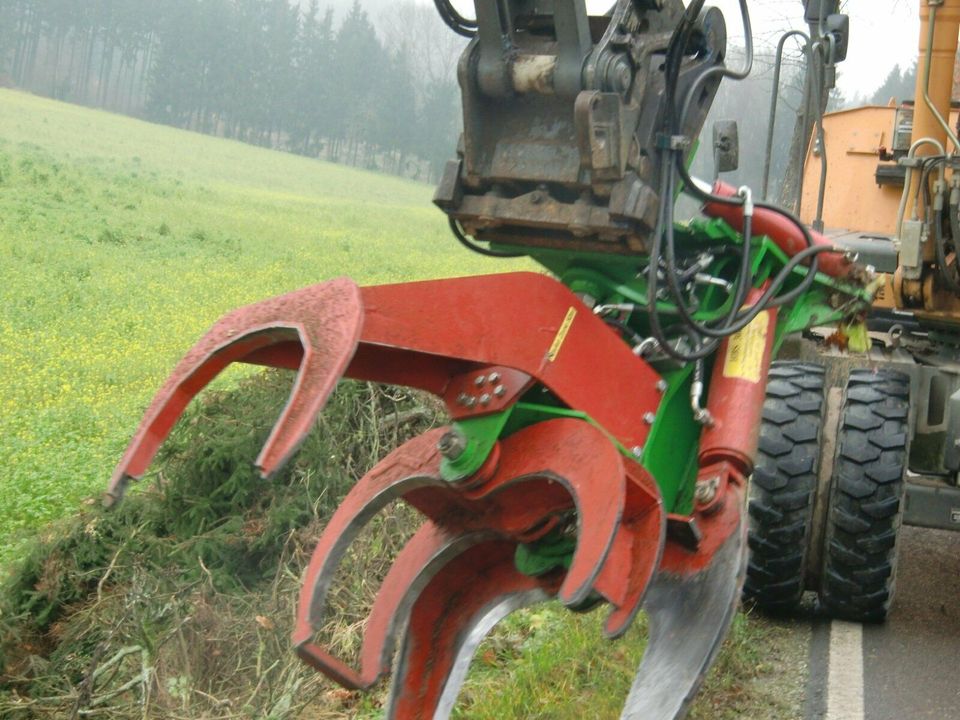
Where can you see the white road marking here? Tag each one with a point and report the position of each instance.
(845, 678)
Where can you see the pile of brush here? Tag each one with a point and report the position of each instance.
(178, 603)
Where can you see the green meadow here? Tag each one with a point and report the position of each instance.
(122, 241)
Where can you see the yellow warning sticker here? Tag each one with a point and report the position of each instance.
(561, 335)
(745, 350)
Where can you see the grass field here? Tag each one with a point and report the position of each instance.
(121, 242)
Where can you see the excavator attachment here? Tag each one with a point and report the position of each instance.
(602, 424)
(521, 354)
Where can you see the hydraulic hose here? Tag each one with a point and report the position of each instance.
(454, 20)
(786, 231)
(905, 195)
(949, 278)
(467, 243)
(774, 99)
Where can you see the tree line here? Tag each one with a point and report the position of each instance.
(276, 73)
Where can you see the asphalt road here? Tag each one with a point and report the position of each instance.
(910, 664)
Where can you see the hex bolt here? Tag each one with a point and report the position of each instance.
(485, 399)
(494, 378)
(480, 380)
(662, 386)
(462, 399)
(499, 391)
(470, 401)
(706, 490)
(452, 445)
(649, 418)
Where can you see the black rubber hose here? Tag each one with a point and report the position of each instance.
(458, 233)
(691, 188)
(941, 246)
(625, 329)
(454, 20)
(656, 330)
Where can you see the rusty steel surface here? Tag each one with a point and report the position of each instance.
(560, 127)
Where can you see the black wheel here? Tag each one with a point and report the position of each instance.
(866, 497)
(783, 485)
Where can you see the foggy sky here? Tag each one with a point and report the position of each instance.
(884, 33)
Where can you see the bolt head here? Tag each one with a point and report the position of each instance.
(649, 418)
(706, 490)
(493, 378)
(452, 444)
(662, 386)
(637, 451)
(485, 399)
(479, 380)
(499, 391)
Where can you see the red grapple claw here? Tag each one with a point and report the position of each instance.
(447, 623)
(323, 320)
(546, 471)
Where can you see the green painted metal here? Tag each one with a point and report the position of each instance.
(482, 434)
(551, 552)
(619, 279)
(672, 446)
(670, 454)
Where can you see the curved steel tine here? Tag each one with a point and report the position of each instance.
(582, 459)
(689, 617)
(466, 596)
(325, 320)
(410, 471)
(482, 625)
(421, 559)
(620, 520)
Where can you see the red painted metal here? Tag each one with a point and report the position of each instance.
(429, 335)
(779, 229)
(437, 622)
(736, 396)
(323, 322)
(546, 471)
(441, 336)
(716, 527)
(514, 320)
(472, 394)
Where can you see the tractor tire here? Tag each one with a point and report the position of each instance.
(783, 486)
(866, 497)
